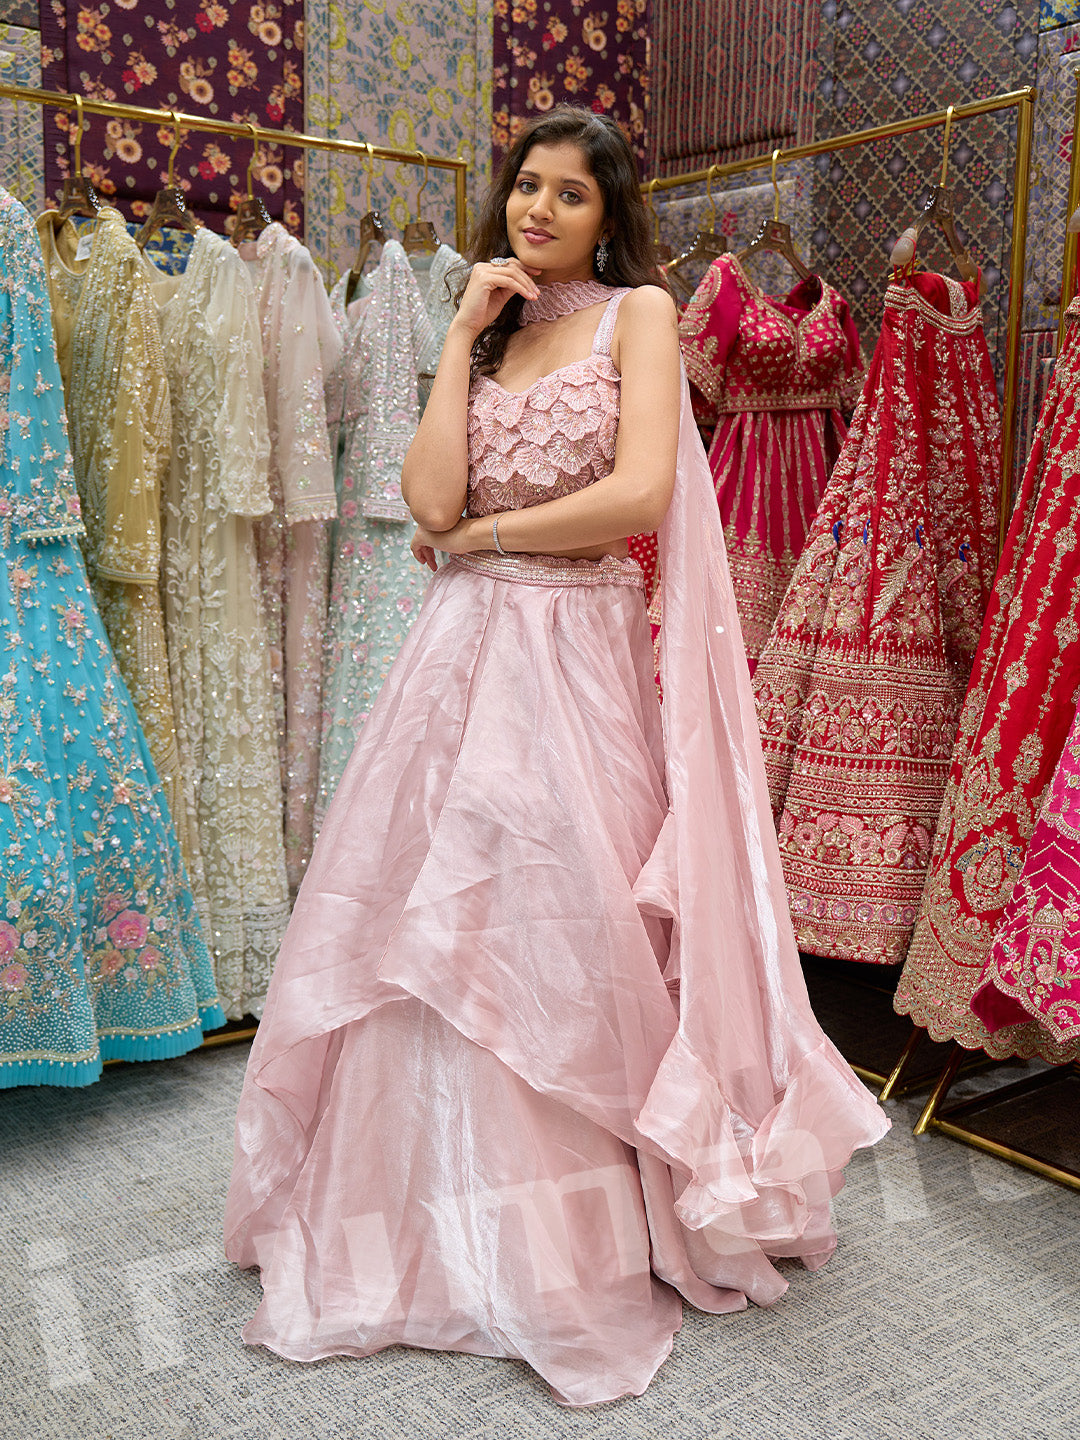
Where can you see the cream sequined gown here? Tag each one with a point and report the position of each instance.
(218, 645)
(117, 397)
(301, 344)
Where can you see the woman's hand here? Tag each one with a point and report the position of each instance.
(489, 288)
(423, 550)
(466, 536)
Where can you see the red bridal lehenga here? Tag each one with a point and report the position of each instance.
(860, 685)
(1012, 734)
(537, 1059)
(1033, 969)
(772, 375)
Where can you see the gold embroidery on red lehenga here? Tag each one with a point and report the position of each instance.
(860, 684)
(1012, 731)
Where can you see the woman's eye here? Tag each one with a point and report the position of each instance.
(571, 196)
(526, 186)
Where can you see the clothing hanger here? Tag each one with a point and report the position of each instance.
(371, 233)
(938, 210)
(420, 237)
(170, 204)
(78, 197)
(661, 249)
(706, 245)
(252, 216)
(775, 235)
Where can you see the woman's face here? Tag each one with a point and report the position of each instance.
(555, 213)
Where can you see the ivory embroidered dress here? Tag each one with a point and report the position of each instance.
(118, 411)
(300, 345)
(101, 953)
(860, 684)
(219, 649)
(499, 1102)
(376, 586)
(772, 376)
(1015, 721)
(431, 273)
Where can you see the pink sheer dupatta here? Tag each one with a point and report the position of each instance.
(752, 1103)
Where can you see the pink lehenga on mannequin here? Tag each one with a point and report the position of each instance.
(772, 374)
(536, 1060)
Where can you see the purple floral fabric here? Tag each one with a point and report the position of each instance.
(240, 62)
(578, 52)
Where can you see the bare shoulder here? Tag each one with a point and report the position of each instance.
(648, 306)
(646, 328)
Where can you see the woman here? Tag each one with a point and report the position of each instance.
(537, 1057)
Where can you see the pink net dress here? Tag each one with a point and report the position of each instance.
(528, 1070)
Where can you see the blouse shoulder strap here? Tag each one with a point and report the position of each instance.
(606, 328)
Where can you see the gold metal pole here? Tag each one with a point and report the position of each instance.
(897, 1072)
(932, 118)
(298, 138)
(1068, 263)
(940, 1090)
(1006, 1152)
(295, 138)
(461, 212)
(1025, 130)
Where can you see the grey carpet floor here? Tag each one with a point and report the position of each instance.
(951, 1309)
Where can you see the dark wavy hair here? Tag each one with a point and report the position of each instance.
(631, 259)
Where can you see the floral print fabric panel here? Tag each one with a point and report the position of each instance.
(21, 170)
(576, 52)
(238, 62)
(408, 77)
(1055, 13)
(101, 953)
(887, 59)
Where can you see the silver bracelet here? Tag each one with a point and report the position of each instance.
(495, 535)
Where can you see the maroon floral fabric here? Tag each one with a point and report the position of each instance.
(577, 52)
(241, 62)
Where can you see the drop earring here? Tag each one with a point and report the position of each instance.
(601, 255)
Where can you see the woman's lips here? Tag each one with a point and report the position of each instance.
(537, 237)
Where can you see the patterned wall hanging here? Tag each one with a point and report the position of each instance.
(1054, 13)
(575, 52)
(233, 61)
(20, 124)
(1050, 178)
(886, 59)
(731, 80)
(408, 76)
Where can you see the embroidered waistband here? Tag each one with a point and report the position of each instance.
(553, 570)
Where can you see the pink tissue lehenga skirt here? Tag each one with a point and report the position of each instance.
(461, 1108)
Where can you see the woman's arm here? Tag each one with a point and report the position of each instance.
(634, 498)
(435, 472)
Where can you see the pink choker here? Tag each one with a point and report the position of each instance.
(564, 298)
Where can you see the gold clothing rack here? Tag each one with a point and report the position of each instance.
(296, 138)
(1023, 101)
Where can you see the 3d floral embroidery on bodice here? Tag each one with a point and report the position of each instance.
(557, 436)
